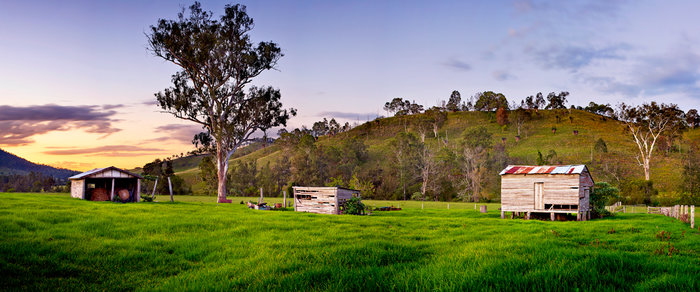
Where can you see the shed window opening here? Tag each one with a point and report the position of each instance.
(304, 197)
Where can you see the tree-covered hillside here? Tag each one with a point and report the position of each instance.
(458, 156)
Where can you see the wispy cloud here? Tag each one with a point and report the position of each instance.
(19, 124)
(177, 132)
(457, 64)
(675, 72)
(502, 75)
(109, 150)
(574, 58)
(347, 115)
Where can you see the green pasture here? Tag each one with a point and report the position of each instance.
(54, 242)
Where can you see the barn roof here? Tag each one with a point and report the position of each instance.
(99, 170)
(544, 169)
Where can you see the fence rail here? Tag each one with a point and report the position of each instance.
(685, 213)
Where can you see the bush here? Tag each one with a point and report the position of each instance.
(354, 206)
(603, 194)
(638, 191)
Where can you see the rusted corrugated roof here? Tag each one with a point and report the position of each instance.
(544, 169)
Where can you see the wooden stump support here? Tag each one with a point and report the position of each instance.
(551, 216)
(111, 194)
(483, 209)
(503, 214)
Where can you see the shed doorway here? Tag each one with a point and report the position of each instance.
(539, 196)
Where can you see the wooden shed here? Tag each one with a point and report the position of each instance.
(559, 189)
(101, 184)
(322, 200)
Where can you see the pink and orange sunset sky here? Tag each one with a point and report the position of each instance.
(77, 83)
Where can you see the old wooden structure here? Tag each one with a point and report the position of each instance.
(112, 180)
(322, 200)
(563, 189)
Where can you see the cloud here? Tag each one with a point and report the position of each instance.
(73, 165)
(347, 115)
(150, 102)
(675, 72)
(574, 58)
(502, 75)
(177, 132)
(108, 150)
(19, 124)
(457, 64)
(112, 106)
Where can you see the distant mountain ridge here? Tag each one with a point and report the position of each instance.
(13, 164)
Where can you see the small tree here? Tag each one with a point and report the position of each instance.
(455, 101)
(354, 206)
(501, 116)
(519, 117)
(217, 60)
(603, 193)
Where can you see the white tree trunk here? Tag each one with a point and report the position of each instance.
(221, 169)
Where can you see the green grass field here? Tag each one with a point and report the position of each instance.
(54, 242)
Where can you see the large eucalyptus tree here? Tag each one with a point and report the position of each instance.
(217, 61)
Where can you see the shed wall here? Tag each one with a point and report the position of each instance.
(77, 189)
(316, 200)
(517, 191)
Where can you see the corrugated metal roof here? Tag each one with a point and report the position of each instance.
(98, 170)
(544, 169)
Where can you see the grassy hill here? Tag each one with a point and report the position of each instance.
(54, 242)
(537, 135)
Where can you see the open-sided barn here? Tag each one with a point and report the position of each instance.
(323, 200)
(546, 189)
(102, 184)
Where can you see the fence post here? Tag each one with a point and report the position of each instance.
(624, 209)
(692, 216)
(647, 209)
(285, 198)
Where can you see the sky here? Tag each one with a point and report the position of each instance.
(77, 82)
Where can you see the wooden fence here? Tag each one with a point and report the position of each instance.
(683, 213)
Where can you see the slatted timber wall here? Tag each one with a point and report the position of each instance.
(322, 200)
(517, 191)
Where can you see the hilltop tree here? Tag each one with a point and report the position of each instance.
(539, 101)
(402, 107)
(453, 104)
(217, 60)
(692, 118)
(600, 109)
(490, 101)
(556, 101)
(646, 123)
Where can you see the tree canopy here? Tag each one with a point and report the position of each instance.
(217, 60)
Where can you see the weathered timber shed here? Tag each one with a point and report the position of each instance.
(322, 200)
(560, 189)
(101, 184)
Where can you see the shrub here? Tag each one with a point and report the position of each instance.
(603, 194)
(638, 191)
(354, 206)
